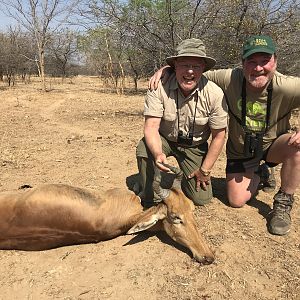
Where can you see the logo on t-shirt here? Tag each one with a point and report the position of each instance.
(255, 114)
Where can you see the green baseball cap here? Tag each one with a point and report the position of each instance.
(258, 43)
(195, 48)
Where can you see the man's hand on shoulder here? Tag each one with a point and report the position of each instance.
(162, 74)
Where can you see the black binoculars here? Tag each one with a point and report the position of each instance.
(185, 139)
(253, 144)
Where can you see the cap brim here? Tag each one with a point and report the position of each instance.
(258, 50)
(209, 61)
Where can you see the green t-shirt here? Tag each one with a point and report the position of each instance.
(285, 98)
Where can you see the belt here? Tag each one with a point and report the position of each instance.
(179, 145)
(182, 145)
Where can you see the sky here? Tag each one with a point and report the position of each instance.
(5, 21)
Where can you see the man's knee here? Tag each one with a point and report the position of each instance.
(202, 201)
(238, 200)
(200, 197)
(241, 187)
(236, 203)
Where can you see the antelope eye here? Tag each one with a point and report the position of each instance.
(175, 219)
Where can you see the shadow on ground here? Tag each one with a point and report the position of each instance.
(162, 236)
(219, 192)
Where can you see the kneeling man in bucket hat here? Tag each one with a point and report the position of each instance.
(180, 116)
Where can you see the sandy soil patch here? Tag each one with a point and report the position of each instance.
(77, 134)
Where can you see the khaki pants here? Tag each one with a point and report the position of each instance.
(189, 159)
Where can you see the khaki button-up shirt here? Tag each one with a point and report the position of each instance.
(203, 109)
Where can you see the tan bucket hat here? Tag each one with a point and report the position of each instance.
(192, 47)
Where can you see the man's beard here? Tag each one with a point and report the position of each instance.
(260, 82)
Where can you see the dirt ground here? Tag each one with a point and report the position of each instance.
(78, 134)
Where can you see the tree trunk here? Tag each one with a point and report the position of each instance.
(122, 78)
(42, 69)
(110, 67)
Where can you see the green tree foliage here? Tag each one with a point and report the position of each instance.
(239, 19)
(17, 56)
(61, 53)
(148, 31)
(132, 38)
(40, 18)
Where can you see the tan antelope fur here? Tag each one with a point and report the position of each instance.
(54, 215)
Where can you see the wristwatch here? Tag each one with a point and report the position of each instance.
(205, 172)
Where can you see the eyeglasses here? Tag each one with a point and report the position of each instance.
(190, 67)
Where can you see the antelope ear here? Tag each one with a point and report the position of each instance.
(149, 218)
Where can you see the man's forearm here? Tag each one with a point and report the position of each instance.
(214, 150)
(153, 142)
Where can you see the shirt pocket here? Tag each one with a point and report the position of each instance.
(200, 123)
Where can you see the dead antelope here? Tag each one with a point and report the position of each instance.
(55, 215)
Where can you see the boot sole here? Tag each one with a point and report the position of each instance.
(278, 232)
(268, 189)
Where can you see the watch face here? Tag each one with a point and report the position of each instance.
(204, 172)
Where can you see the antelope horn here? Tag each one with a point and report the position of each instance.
(177, 171)
(162, 193)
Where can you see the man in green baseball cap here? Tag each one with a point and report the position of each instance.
(180, 116)
(260, 101)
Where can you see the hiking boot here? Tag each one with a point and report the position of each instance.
(267, 178)
(280, 222)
